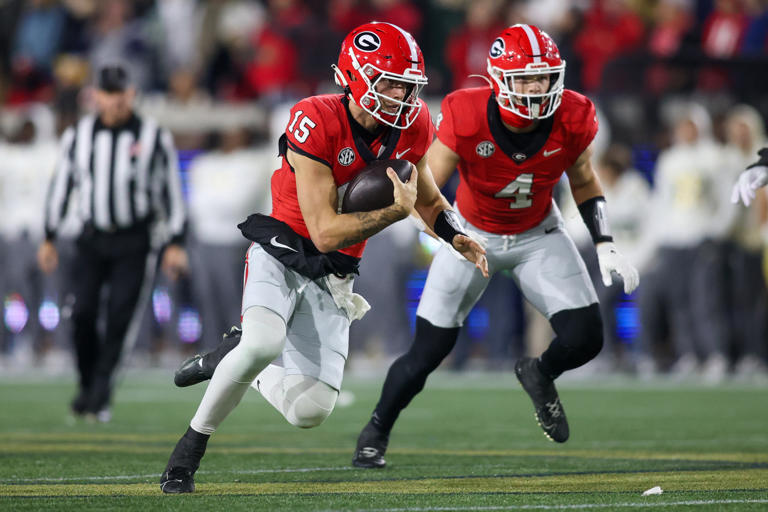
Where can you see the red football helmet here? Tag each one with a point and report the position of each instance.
(525, 50)
(377, 52)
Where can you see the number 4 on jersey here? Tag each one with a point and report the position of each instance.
(302, 131)
(519, 190)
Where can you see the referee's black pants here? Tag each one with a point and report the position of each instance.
(117, 267)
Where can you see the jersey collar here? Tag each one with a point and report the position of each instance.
(388, 144)
(519, 147)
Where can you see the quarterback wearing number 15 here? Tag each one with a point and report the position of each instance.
(297, 291)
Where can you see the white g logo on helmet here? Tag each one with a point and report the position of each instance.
(367, 41)
(497, 48)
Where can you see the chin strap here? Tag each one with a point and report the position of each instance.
(514, 120)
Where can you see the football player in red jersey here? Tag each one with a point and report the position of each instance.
(511, 145)
(297, 291)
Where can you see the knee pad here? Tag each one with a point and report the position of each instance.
(308, 402)
(262, 340)
(580, 330)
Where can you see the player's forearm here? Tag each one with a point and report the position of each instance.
(352, 228)
(429, 212)
(586, 190)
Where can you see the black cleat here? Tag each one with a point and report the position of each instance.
(184, 461)
(371, 446)
(79, 404)
(550, 414)
(177, 481)
(200, 367)
(191, 371)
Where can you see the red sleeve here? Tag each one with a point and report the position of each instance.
(445, 129)
(428, 130)
(591, 126)
(307, 132)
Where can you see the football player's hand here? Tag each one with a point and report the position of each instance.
(748, 183)
(175, 261)
(405, 193)
(473, 251)
(611, 260)
(47, 257)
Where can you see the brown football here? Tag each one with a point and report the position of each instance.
(372, 189)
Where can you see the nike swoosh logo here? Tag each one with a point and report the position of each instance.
(548, 231)
(398, 155)
(550, 153)
(275, 243)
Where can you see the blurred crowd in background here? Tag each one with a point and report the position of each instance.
(680, 88)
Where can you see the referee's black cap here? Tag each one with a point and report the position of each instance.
(113, 78)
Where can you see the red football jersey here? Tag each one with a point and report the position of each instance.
(321, 128)
(507, 179)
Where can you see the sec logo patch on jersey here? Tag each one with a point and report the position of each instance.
(346, 156)
(485, 149)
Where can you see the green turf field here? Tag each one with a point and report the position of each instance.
(466, 443)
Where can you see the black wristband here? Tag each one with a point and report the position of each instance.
(447, 226)
(763, 161)
(593, 213)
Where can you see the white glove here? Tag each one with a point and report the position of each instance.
(749, 181)
(611, 260)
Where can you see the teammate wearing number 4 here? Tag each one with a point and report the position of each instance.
(511, 145)
(297, 292)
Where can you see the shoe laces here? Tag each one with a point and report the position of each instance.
(554, 408)
(369, 452)
(176, 473)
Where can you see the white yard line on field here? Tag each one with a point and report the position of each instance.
(644, 504)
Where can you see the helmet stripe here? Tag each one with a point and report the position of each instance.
(411, 45)
(534, 42)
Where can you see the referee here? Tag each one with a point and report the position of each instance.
(125, 171)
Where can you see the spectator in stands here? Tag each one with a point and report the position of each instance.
(756, 36)
(35, 44)
(673, 22)
(399, 12)
(177, 25)
(38, 33)
(117, 36)
(467, 48)
(549, 15)
(724, 29)
(28, 160)
(344, 15)
(610, 29)
(684, 212)
(721, 38)
(628, 193)
(249, 59)
(225, 186)
(271, 72)
(748, 237)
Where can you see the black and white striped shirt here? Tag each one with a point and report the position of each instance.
(126, 175)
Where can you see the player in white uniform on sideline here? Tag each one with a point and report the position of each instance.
(297, 292)
(751, 179)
